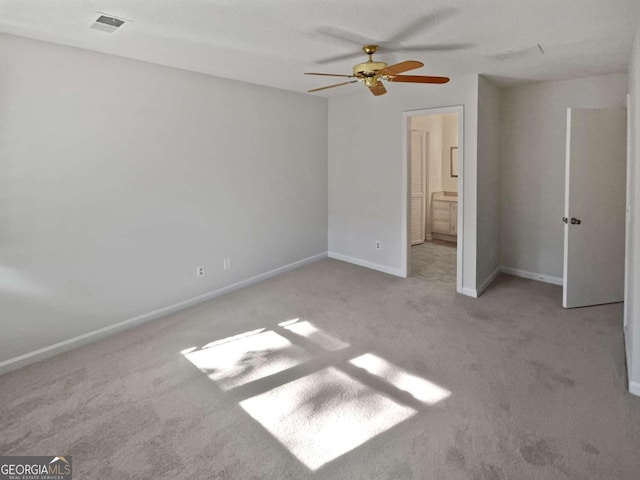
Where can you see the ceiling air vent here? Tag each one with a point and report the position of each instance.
(108, 24)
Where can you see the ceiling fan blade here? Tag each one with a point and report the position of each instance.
(378, 89)
(401, 67)
(417, 79)
(423, 23)
(509, 54)
(331, 86)
(443, 47)
(330, 75)
(338, 58)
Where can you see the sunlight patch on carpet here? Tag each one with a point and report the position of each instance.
(420, 388)
(234, 338)
(308, 330)
(324, 415)
(244, 358)
(288, 322)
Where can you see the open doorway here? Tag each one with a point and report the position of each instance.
(434, 195)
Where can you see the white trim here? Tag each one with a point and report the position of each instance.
(406, 191)
(426, 214)
(66, 345)
(446, 237)
(488, 282)
(532, 275)
(567, 186)
(475, 293)
(627, 217)
(364, 263)
(469, 292)
(634, 388)
(627, 349)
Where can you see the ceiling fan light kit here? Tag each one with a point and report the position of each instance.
(371, 73)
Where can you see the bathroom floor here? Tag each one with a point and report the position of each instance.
(435, 261)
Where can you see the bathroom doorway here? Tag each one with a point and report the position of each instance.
(434, 217)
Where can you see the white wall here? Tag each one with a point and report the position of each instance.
(367, 170)
(632, 334)
(118, 178)
(488, 181)
(532, 162)
(449, 139)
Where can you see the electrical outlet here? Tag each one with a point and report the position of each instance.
(378, 244)
(200, 272)
(226, 263)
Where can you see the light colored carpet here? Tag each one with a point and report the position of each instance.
(380, 378)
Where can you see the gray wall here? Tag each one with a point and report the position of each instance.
(532, 164)
(488, 180)
(118, 178)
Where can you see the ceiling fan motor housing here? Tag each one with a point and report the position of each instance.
(371, 81)
(368, 69)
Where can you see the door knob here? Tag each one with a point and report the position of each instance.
(575, 221)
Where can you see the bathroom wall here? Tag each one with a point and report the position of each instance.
(449, 139)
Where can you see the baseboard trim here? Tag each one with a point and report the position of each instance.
(531, 275)
(488, 282)
(364, 263)
(444, 237)
(627, 351)
(634, 388)
(469, 292)
(476, 292)
(66, 345)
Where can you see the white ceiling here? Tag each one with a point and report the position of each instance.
(272, 42)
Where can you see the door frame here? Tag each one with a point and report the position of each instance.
(406, 182)
(627, 219)
(425, 189)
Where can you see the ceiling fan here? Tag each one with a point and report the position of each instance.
(372, 73)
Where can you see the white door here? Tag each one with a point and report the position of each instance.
(594, 230)
(418, 186)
